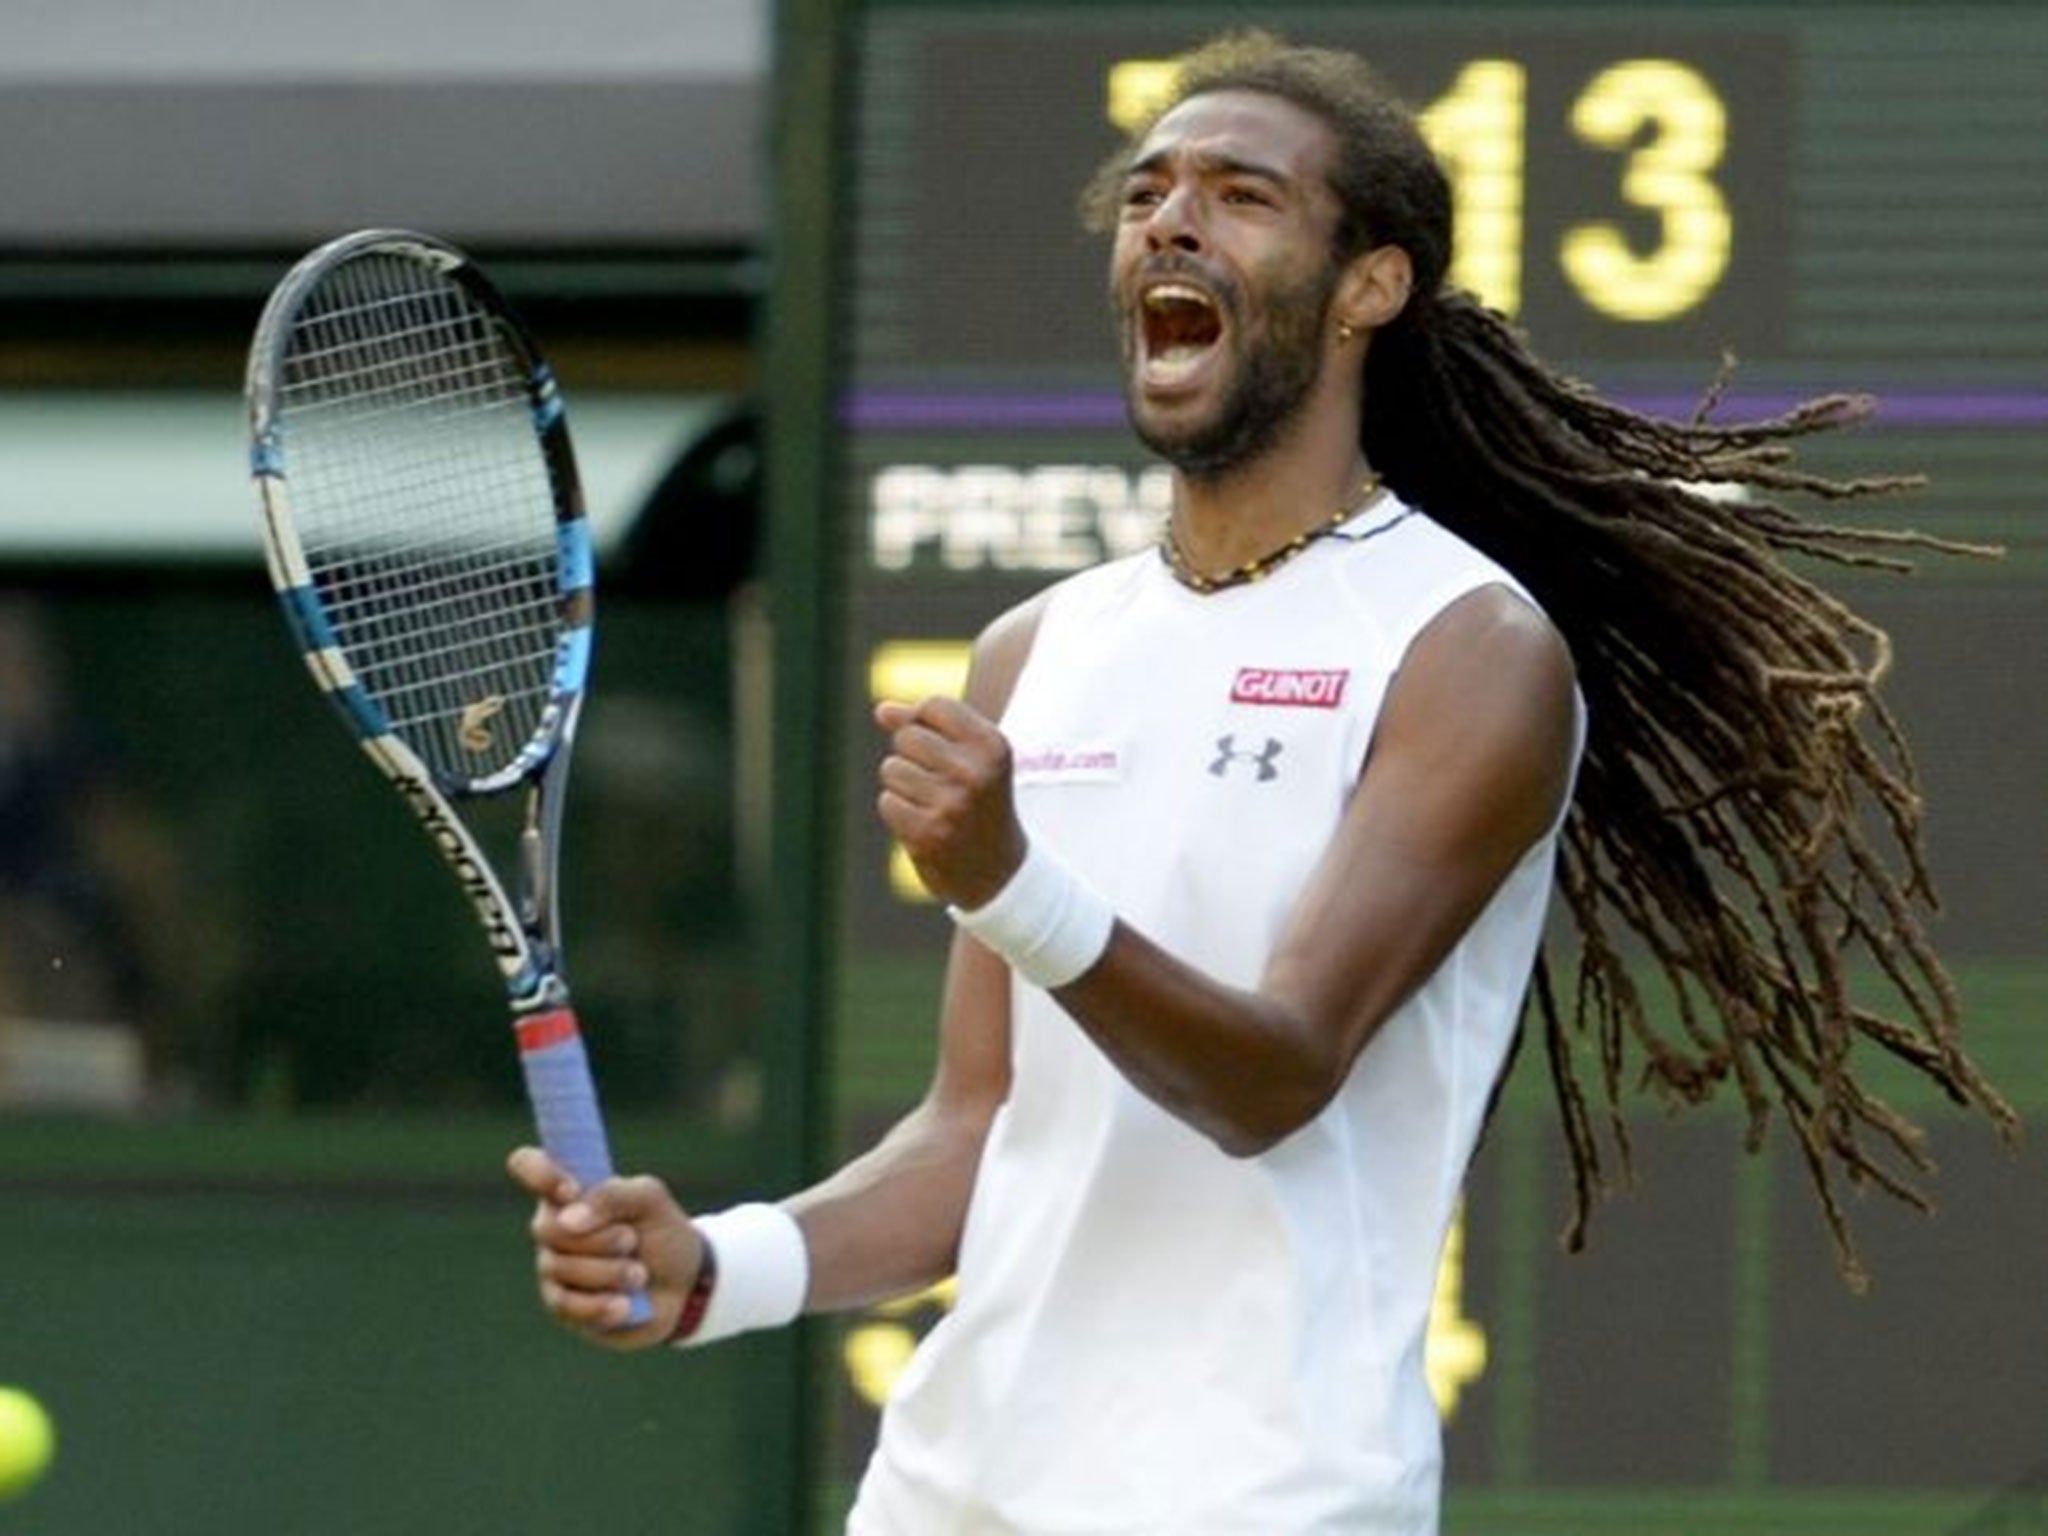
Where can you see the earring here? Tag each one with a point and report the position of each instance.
(1345, 332)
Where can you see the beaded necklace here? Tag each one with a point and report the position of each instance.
(1260, 566)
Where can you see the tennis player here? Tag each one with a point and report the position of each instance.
(1249, 842)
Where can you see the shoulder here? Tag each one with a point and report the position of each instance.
(1006, 644)
(1489, 681)
(1001, 650)
(1404, 571)
(1496, 626)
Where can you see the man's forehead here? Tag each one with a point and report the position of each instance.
(1247, 127)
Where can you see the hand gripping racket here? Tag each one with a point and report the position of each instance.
(424, 528)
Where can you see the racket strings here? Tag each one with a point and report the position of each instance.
(426, 509)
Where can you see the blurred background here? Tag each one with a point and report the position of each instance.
(838, 371)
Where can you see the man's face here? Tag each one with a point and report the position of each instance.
(1222, 276)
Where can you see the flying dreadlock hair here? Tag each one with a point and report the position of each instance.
(1737, 743)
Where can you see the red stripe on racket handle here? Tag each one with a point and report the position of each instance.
(545, 1029)
(564, 1099)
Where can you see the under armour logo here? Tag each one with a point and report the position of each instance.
(1227, 753)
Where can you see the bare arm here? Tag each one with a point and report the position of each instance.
(1469, 766)
(890, 1221)
(886, 1223)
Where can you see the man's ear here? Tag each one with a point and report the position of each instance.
(1374, 288)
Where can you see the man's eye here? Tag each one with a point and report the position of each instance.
(1257, 197)
(1140, 197)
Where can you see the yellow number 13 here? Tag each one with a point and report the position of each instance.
(1664, 118)
(1668, 174)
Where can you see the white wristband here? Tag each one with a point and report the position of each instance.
(764, 1270)
(1047, 922)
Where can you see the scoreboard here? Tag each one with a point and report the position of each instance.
(1839, 196)
(1621, 190)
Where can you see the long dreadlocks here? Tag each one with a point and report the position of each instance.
(1747, 815)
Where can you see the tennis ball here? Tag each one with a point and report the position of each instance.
(27, 1441)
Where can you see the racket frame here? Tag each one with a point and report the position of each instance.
(524, 934)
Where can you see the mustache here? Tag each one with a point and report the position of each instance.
(1170, 266)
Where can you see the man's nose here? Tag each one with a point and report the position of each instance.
(1174, 224)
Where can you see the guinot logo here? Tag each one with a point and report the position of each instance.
(1290, 687)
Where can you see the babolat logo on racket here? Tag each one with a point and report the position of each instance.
(470, 873)
(475, 729)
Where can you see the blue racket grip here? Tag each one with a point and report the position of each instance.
(564, 1099)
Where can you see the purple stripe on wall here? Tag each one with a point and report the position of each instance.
(890, 411)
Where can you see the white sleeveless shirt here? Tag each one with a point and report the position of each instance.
(1152, 1338)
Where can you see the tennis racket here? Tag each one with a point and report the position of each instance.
(424, 528)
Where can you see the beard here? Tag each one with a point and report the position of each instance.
(1270, 376)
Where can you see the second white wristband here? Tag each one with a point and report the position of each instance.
(764, 1270)
(1048, 923)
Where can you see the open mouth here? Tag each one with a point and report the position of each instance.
(1181, 327)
